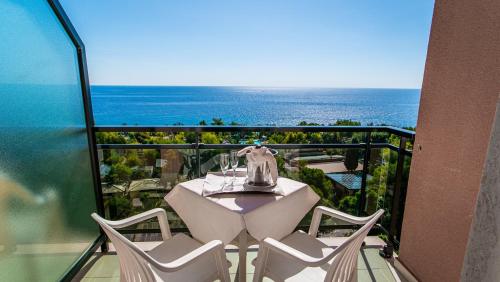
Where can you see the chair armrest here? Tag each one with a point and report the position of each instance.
(295, 254)
(322, 210)
(216, 247)
(158, 212)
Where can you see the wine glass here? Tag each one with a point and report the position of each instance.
(234, 163)
(224, 165)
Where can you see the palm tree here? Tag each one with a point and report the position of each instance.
(217, 121)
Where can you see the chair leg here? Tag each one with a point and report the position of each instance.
(260, 264)
(242, 253)
(355, 275)
(223, 267)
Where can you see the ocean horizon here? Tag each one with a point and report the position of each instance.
(279, 106)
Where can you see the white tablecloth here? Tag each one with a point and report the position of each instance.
(223, 217)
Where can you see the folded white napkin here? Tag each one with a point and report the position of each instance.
(213, 183)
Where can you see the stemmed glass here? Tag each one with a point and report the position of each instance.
(224, 165)
(234, 163)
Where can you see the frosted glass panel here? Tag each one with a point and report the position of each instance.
(46, 192)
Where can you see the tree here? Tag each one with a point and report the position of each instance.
(119, 207)
(137, 174)
(305, 123)
(217, 121)
(280, 163)
(347, 122)
(119, 173)
(318, 182)
(190, 137)
(349, 204)
(113, 157)
(371, 201)
(110, 138)
(179, 138)
(351, 160)
(132, 159)
(209, 138)
(295, 138)
(150, 156)
(315, 138)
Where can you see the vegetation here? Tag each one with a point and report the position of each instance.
(351, 160)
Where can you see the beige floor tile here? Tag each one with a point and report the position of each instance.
(250, 277)
(105, 266)
(33, 267)
(250, 257)
(383, 275)
(233, 259)
(361, 262)
(378, 275)
(375, 261)
(101, 279)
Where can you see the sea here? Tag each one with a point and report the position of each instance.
(279, 106)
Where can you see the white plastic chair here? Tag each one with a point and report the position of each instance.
(177, 258)
(303, 257)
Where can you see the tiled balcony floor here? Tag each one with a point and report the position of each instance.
(371, 267)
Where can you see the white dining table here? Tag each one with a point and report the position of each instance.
(235, 216)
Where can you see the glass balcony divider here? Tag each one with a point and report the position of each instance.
(89, 117)
(48, 178)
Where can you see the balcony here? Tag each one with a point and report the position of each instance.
(169, 155)
(140, 165)
(57, 167)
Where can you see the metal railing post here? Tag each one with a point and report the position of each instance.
(366, 163)
(198, 160)
(94, 158)
(397, 196)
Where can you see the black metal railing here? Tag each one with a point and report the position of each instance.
(381, 146)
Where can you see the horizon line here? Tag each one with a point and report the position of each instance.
(249, 86)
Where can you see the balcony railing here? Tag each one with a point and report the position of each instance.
(140, 164)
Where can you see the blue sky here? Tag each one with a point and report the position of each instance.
(320, 43)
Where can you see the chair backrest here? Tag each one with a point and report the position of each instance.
(344, 265)
(133, 263)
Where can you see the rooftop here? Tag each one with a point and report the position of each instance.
(348, 180)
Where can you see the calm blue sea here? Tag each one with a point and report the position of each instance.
(152, 105)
